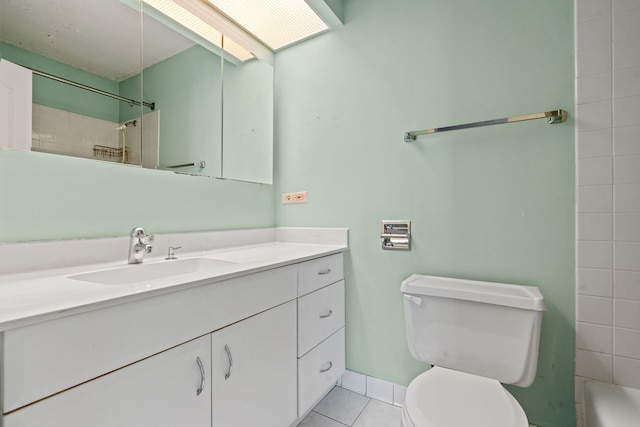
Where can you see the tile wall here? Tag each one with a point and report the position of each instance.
(608, 193)
(61, 132)
(374, 388)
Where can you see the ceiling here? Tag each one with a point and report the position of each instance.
(98, 36)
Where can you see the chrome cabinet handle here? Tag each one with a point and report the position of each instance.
(324, 316)
(201, 387)
(327, 271)
(322, 371)
(230, 359)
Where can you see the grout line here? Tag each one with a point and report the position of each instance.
(363, 408)
(325, 416)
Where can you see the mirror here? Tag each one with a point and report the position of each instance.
(75, 41)
(99, 44)
(248, 121)
(187, 91)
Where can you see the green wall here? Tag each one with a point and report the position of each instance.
(186, 89)
(493, 203)
(62, 96)
(45, 196)
(248, 121)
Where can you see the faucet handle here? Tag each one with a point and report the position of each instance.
(138, 232)
(171, 254)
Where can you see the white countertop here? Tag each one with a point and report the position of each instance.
(28, 297)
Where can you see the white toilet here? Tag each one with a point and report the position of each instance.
(477, 335)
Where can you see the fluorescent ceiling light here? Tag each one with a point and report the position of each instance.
(199, 26)
(277, 23)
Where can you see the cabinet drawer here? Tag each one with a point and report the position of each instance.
(319, 370)
(320, 314)
(318, 273)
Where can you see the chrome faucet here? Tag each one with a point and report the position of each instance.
(139, 245)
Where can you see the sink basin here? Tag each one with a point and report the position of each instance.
(137, 273)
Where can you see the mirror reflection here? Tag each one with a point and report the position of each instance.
(248, 120)
(187, 91)
(77, 57)
(175, 75)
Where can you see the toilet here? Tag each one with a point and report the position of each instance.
(477, 336)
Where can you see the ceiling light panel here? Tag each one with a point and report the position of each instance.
(193, 23)
(277, 23)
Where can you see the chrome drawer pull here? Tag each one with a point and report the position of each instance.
(327, 271)
(230, 359)
(322, 371)
(202, 376)
(324, 316)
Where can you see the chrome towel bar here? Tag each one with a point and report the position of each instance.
(554, 116)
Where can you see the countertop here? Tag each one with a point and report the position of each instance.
(44, 294)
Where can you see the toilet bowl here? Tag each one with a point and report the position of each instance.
(442, 397)
(478, 335)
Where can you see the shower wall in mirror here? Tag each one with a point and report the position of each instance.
(113, 47)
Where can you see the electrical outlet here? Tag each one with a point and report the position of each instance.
(297, 197)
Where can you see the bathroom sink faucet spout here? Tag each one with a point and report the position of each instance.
(139, 244)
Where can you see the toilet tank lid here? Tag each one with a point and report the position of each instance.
(526, 297)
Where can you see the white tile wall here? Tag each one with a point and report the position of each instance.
(595, 171)
(380, 389)
(355, 382)
(596, 310)
(596, 198)
(374, 388)
(608, 190)
(595, 282)
(625, 371)
(592, 337)
(595, 143)
(627, 343)
(626, 138)
(70, 134)
(590, 9)
(593, 254)
(627, 284)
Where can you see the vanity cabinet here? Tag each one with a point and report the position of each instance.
(321, 321)
(254, 371)
(254, 350)
(169, 389)
(42, 359)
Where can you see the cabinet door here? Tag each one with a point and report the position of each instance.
(254, 370)
(159, 391)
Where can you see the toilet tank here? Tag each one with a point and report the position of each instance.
(483, 328)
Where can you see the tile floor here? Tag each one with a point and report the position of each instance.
(342, 407)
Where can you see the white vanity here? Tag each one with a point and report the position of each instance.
(256, 340)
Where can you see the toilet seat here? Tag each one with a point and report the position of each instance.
(442, 397)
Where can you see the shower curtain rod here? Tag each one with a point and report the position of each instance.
(554, 116)
(151, 105)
